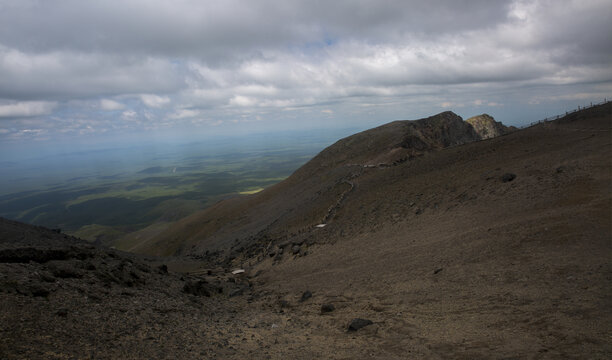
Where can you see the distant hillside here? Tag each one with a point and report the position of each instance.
(310, 196)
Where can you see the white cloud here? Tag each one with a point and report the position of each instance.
(110, 105)
(240, 100)
(128, 115)
(154, 101)
(296, 61)
(183, 114)
(27, 108)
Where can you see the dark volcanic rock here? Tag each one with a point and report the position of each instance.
(507, 177)
(197, 288)
(358, 323)
(46, 277)
(273, 252)
(65, 269)
(284, 303)
(125, 274)
(34, 290)
(325, 308)
(295, 249)
(278, 256)
(25, 255)
(306, 295)
(237, 291)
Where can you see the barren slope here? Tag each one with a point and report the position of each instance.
(447, 257)
(449, 261)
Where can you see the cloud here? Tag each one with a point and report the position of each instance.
(128, 115)
(240, 100)
(213, 29)
(65, 75)
(154, 101)
(183, 114)
(110, 105)
(26, 109)
(159, 62)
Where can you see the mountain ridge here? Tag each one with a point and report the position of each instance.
(316, 186)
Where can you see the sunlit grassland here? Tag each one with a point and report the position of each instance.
(142, 193)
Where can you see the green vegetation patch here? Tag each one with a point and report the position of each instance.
(116, 201)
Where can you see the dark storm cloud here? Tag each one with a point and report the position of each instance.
(61, 75)
(199, 28)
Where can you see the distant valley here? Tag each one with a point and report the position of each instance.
(104, 194)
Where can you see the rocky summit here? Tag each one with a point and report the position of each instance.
(486, 127)
(411, 240)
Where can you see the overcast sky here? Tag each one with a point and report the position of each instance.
(88, 69)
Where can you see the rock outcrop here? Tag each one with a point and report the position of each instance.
(486, 127)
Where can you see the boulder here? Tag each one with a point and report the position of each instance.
(507, 177)
(358, 323)
(305, 296)
(325, 308)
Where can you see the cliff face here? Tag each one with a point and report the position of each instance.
(486, 127)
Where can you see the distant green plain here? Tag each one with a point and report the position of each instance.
(111, 201)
